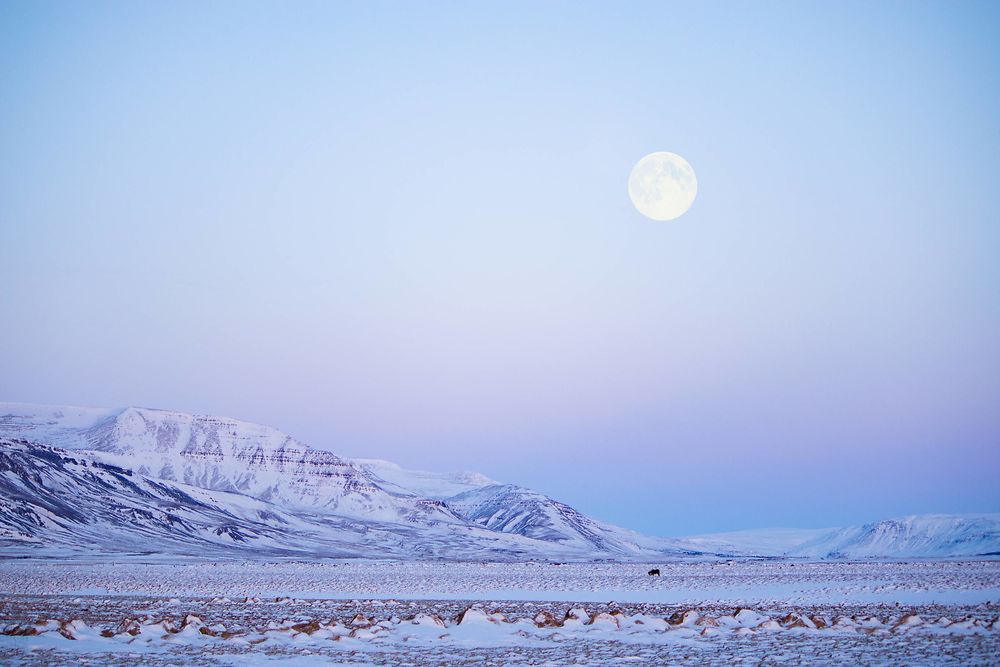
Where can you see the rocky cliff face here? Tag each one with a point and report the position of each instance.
(229, 455)
(59, 502)
(233, 457)
(169, 482)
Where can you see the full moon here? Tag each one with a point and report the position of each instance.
(662, 186)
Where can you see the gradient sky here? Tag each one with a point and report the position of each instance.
(402, 231)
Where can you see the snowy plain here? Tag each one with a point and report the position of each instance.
(146, 537)
(369, 612)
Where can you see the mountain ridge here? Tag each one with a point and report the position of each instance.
(932, 535)
(312, 502)
(230, 456)
(53, 499)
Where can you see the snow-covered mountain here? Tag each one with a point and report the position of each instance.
(54, 497)
(513, 510)
(155, 481)
(57, 501)
(312, 493)
(927, 535)
(215, 453)
(439, 485)
(920, 536)
(753, 542)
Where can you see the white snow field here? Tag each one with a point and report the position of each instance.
(136, 536)
(760, 612)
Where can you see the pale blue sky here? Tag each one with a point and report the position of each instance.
(402, 231)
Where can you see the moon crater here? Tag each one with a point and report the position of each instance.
(662, 186)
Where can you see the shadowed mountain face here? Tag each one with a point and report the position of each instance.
(57, 501)
(153, 481)
(313, 495)
(513, 510)
(229, 455)
(53, 497)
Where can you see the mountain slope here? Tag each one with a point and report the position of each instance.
(753, 542)
(438, 485)
(515, 510)
(136, 479)
(63, 426)
(57, 501)
(240, 459)
(920, 536)
(511, 509)
(928, 535)
(56, 497)
(220, 454)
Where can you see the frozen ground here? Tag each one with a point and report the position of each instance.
(742, 612)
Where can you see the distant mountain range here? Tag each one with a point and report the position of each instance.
(136, 480)
(921, 536)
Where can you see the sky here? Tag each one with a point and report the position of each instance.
(402, 231)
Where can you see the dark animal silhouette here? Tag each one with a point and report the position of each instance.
(654, 572)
